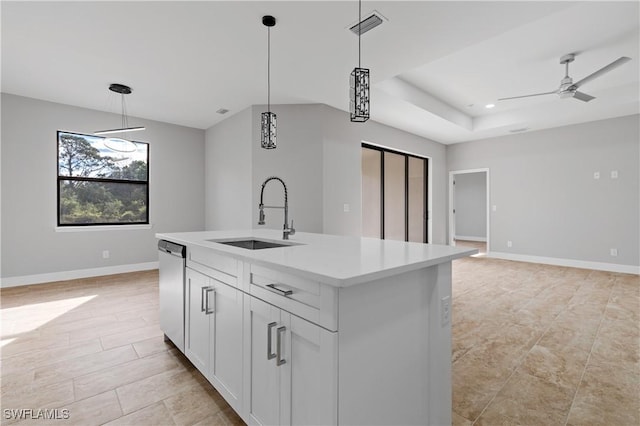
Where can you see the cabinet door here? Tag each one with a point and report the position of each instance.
(309, 377)
(197, 321)
(262, 380)
(225, 366)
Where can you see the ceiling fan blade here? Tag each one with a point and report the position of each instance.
(527, 96)
(615, 64)
(583, 96)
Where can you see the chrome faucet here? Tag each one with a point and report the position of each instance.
(286, 230)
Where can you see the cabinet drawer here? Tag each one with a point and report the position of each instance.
(208, 262)
(306, 298)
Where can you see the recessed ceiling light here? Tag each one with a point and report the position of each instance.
(489, 106)
(222, 111)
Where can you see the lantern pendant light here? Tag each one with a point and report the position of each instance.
(268, 119)
(359, 84)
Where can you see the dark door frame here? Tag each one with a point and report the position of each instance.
(425, 210)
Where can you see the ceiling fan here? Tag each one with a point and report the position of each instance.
(569, 89)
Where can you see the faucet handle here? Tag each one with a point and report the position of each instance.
(292, 230)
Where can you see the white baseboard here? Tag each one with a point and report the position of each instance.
(467, 238)
(572, 263)
(72, 275)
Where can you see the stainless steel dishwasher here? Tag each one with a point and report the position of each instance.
(172, 263)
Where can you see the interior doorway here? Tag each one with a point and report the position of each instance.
(469, 209)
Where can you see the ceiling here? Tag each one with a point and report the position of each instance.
(434, 65)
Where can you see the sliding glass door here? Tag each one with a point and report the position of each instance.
(371, 193)
(394, 195)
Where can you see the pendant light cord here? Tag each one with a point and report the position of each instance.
(359, 29)
(124, 112)
(269, 69)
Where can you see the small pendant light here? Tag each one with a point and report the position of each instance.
(359, 84)
(268, 119)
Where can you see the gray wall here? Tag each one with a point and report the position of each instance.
(30, 243)
(297, 160)
(236, 166)
(548, 202)
(319, 158)
(342, 171)
(228, 173)
(471, 205)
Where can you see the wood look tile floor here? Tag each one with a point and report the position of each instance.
(94, 347)
(544, 345)
(532, 345)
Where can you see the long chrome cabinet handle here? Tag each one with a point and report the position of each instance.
(207, 309)
(279, 291)
(270, 355)
(202, 298)
(279, 360)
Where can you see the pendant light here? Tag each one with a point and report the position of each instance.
(268, 119)
(122, 90)
(359, 84)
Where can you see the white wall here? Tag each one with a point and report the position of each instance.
(30, 244)
(548, 203)
(471, 206)
(228, 173)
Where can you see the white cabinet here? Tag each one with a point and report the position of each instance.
(291, 368)
(213, 333)
(262, 381)
(197, 329)
(286, 349)
(225, 359)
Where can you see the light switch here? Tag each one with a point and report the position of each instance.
(346, 208)
(614, 174)
(494, 208)
(596, 175)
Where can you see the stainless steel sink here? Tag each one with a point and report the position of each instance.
(252, 244)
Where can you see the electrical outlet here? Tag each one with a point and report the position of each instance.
(614, 252)
(445, 310)
(596, 175)
(509, 243)
(105, 254)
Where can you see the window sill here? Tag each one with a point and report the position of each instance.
(102, 228)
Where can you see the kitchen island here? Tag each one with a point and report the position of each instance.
(323, 329)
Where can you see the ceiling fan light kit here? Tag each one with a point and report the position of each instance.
(569, 89)
(122, 90)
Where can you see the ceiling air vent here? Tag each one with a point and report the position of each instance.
(222, 111)
(523, 129)
(370, 22)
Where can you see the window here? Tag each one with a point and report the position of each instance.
(102, 181)
(394, 195)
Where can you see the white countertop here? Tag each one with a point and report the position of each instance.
(335, 260)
